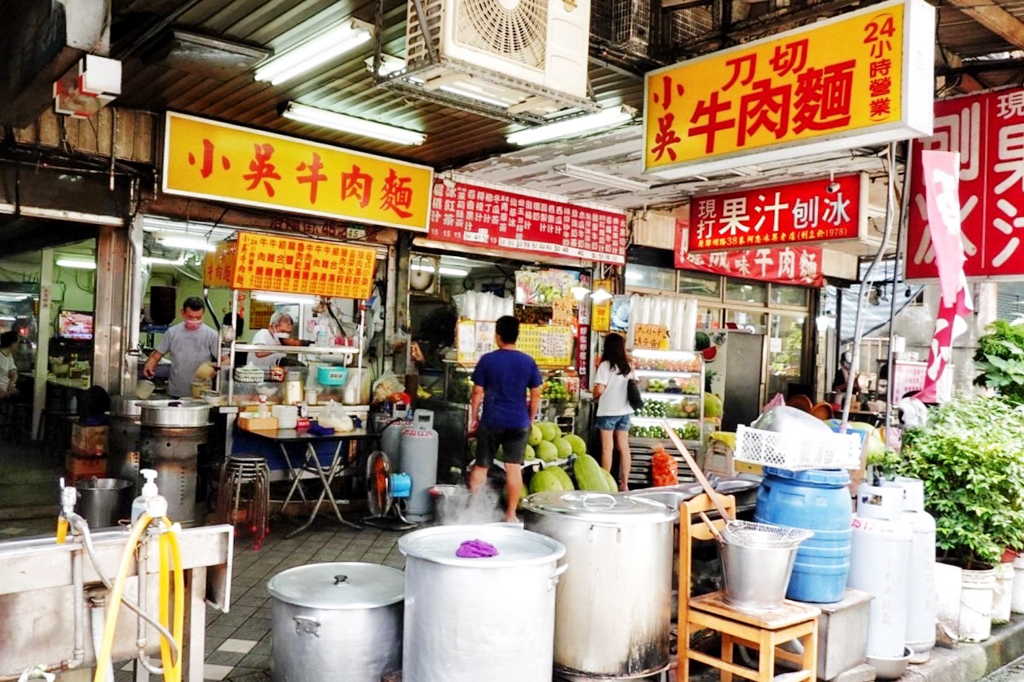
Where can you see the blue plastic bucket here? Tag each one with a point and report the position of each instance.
(817, 500)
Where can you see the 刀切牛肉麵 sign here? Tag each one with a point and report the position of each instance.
(861, 78)
(224, 162)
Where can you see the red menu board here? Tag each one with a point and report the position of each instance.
(798, 265)
(822, 210)
(988, 132)
(479, 216)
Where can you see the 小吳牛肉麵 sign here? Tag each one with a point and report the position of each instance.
(224, 162)
(858, 79)
(814, 211)
(284, 264)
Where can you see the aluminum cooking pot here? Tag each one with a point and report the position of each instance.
(339, 621)
(124, 406)
(175, 413)
(618, 589)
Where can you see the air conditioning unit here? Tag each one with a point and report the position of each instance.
(527, 55)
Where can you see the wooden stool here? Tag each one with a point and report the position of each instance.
(763, 631)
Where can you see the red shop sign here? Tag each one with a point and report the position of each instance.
(798, 265)
(798, 213)
(480, 216)
(988, 131)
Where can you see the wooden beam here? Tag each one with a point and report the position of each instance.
(994, 18)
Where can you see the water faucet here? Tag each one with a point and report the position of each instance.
(68, 498)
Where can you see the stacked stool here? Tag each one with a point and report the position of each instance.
(244, 495)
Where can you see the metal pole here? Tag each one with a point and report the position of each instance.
(901, 245)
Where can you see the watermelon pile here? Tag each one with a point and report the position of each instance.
(550, 444)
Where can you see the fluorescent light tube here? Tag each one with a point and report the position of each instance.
(286, 298)
(469, 94)
(314, 51)
(13, 297)
(600, 178)
(416, 267)
(195, 243)
(572, 127)
(153, 260)
(453, 272)
(6, 318)
(76, 264)
(351, 124)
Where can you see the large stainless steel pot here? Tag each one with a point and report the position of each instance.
(175, 413)
(340, 622)
(479, 619)
(614, 604)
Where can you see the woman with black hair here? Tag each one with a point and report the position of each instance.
(613, 410)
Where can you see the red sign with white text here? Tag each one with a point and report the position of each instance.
(797, 265)
(489, 218)
(800, 213)
(988, 131)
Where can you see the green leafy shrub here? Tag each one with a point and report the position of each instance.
(971, 459)
(1000, 357)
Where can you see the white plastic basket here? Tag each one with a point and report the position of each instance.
(784, 451)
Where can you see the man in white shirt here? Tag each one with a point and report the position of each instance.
(277, 333)
(8, 369)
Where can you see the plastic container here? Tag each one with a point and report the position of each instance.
(816, 500)
(148, 490)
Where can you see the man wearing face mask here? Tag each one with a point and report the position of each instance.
(277, 333)
(190, 344)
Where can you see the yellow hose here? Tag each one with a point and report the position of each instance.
(103, 655)
(170, 554)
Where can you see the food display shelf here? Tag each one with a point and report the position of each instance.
(646, 395)
(655, 421)
(666, 373)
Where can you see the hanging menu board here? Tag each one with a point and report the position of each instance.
(295, 266)
(549, 346)
(479, 216)
(649, 336)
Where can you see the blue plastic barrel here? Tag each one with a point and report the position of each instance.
(817, 500)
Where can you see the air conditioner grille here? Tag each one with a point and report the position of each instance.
(515, 29)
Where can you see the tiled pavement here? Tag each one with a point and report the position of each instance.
(238, 642)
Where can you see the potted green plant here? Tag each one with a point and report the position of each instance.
(1000, 360)
(970, 456)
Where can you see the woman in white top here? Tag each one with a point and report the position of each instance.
(613, 410)
(277, 333)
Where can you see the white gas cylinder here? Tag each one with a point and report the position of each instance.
(879, 565)
(922, 600)
(391, 438)
(417, 454)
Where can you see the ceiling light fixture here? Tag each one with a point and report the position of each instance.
(183, 242)
(314, 51)
(600, 178)
(600, 296)
(572, 127)
(75, 264)
(286, 298)
(452, 272)
(351, 124)
(480, 97)
(579, 292)
(389, 64)
(154, 260)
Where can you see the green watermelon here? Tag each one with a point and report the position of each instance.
(549, 430)
(579, 446)
(559, 473)
(544, 480)
(547, 451)
(564, 449)
(529, 453)
(536, 436)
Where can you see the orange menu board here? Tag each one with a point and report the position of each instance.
(295, 266)
(649, 336)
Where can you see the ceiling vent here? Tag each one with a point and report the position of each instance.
(518, 60)
(202, 55)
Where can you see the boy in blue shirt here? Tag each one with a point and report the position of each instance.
(500, 382)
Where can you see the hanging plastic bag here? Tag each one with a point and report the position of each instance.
(386, 385)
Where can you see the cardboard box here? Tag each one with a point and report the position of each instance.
(88, 440)
(250, 422)
(79, 467)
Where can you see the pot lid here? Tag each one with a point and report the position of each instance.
(339, 586)
(181, 404)
(516, 547)
(591, 506)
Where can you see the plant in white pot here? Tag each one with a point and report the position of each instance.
(970, 456)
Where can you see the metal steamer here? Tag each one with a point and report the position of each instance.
(614, 605)
(337, 621)
(173, 432)
(479, 619)
(124, 439)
